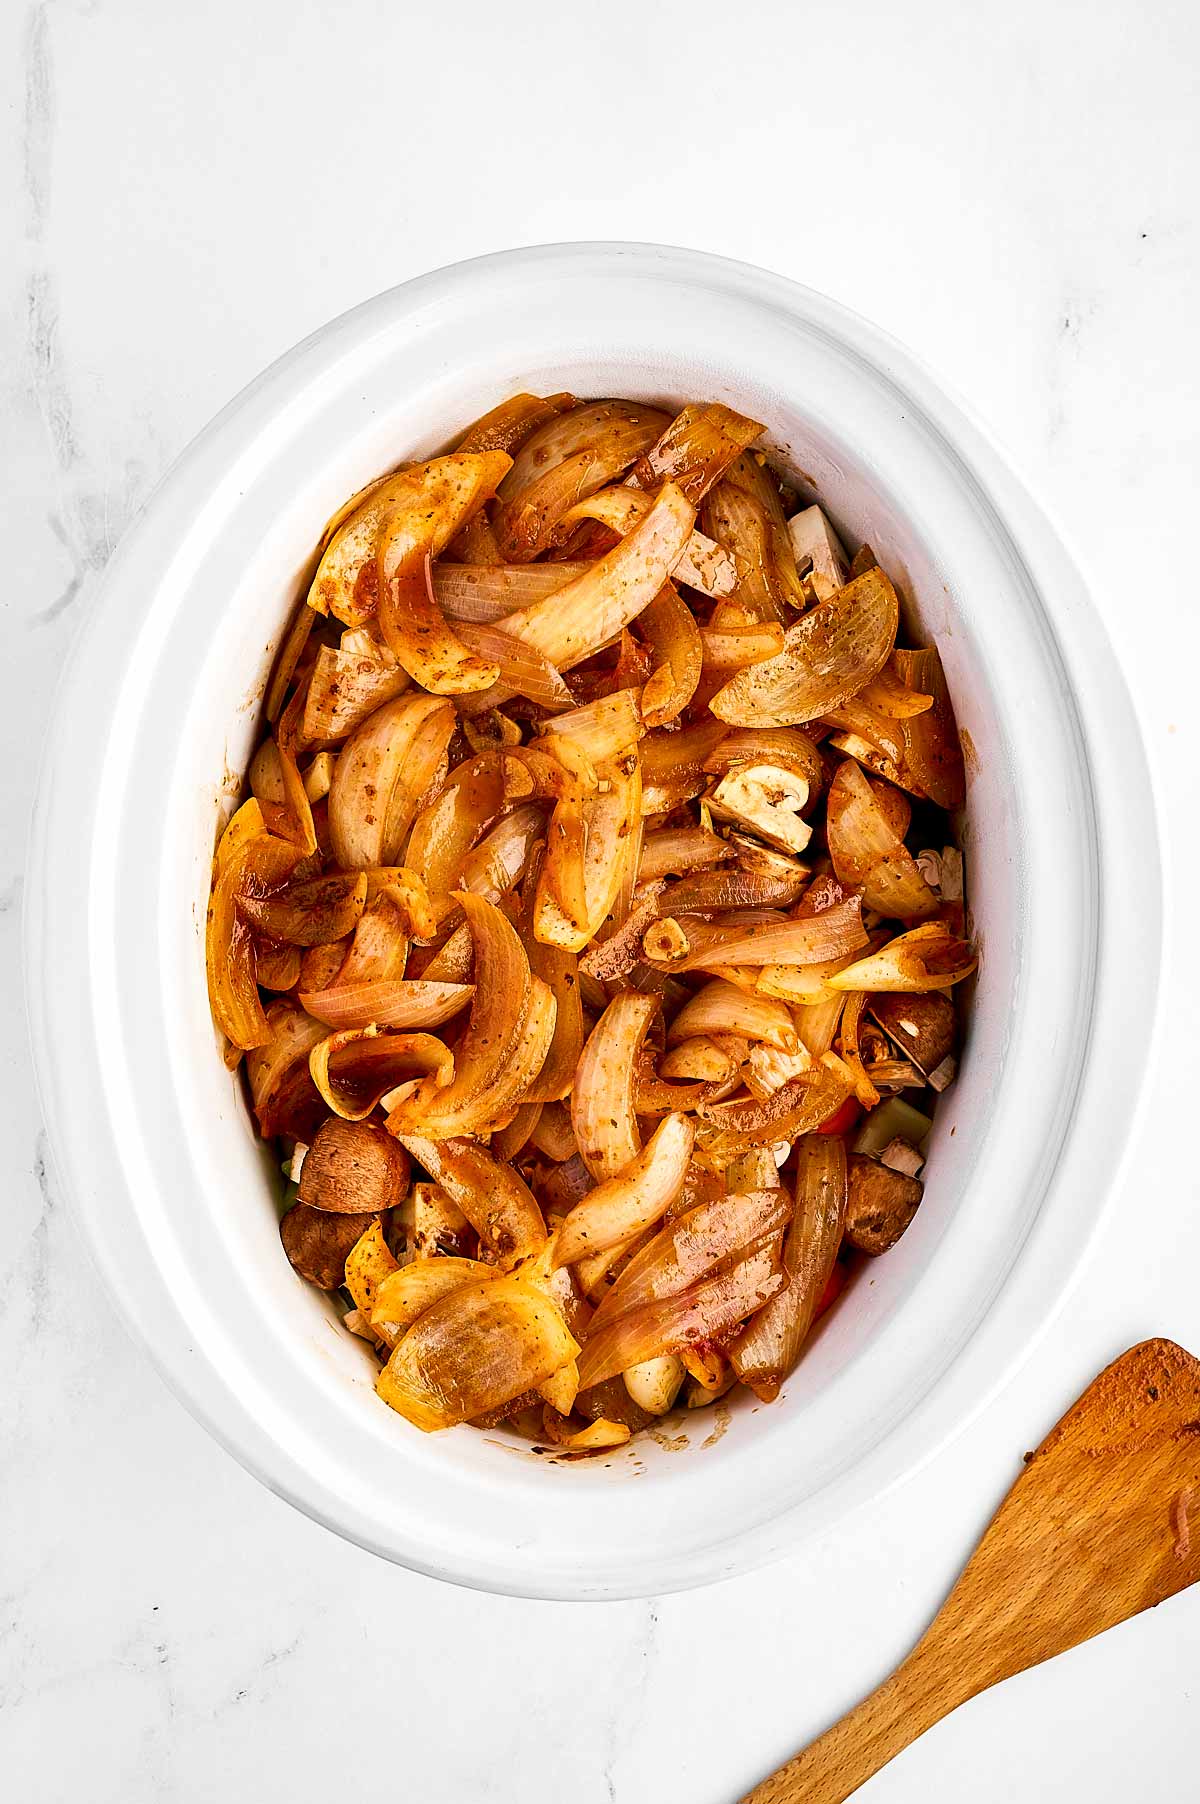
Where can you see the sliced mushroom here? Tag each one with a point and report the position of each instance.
(820, 555)
(921, 1027)
(318, 1241)
(767, 799)
(353, 1167)
(880, 1205)
(902, 1155)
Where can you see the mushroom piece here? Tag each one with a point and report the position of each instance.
(820, 555)
(317, 1242)
(353, 1167)
(767, 799)
(880, 1204)
(920, 1027)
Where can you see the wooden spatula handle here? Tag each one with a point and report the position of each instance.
(873, 1733)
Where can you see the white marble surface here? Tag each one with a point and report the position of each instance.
(184, 192)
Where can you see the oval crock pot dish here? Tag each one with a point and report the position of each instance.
(161, 717)
(588, 989)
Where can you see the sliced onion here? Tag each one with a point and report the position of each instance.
(852, 1012)
(378, 951)
(294, 821)
(484, 1345)
(736, 888)
(769, 1347)
(568, 458)
(703, 1059)
(696, 449)
(387, 1003)
(828, 656)
(741, 525)
(403, 1295)
(368, 1263)
(520, 668)
(424, 516)
(497, 863)
(552, 1133)
(345, 688)
(559, 970)
(673, 765)
(504, 1046)
(927, 958)
(506, 428)
(493, 1196)
(444, 832)
(602, 729)
(674, 851)
(798, 1108)
(734, 648)
(602, 1103)
(573, 623)
(453, 960)
(830, 934)
(276, 967)
(355, 1069)
(694, 1282)
(382, 777)
(703, 565)
(229, 949)
(625, 1205)
(285, 1099)
(723, 1008)
(867, 850)
(347, 580)
(483, 594)
(932, 749)
(309, 914)
(588, 853)
(286, 660)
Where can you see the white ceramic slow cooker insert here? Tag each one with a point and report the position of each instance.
(159, 708)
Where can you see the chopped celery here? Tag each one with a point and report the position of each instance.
(893, 1119)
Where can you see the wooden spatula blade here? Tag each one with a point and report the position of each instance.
(1097, 1528)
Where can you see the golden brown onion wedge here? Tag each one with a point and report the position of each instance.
(932, 750)
(229, 947)
(724, 1008)
(697, 448)
(422, 519)
(484, 1345)
(313, 913)
(568, 458)
(484, 594)
(929, 957)
(506, 428)
(382, 776)
(520, 669)
(356, 1068)
(285, 1099)
(810, 939)
(868, 852)
(623, 1206)
(703, 565)
(602, 1103)
(389, 1002)
(493, 1196)
(828, 656)
(444, 832)
(770, 1345)
(346, 582)
(576, 621)
(404, 1295)
(799, 1107)
(346, 687)
(589, 853)
(368, 1263)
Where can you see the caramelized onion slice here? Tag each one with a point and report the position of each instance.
(346, 687)
(356, 1068)
(346, 582)
(576, 621)
(623, 1206)
(312, 913)
(382, 776)
(868, 851)
(492, 1195)
(482, 1346)
(285, 1099)
(368, 1263)
(427, 508)
(929, 957)
(828, 656)
(932, 749)
(602, 1103)
(444, 832)
(697, 448)
(723, 1008)
(520, 668)
(704, 565)
(404, 1295)
(769, 1347)
(390, 1002)
(799, 1107)
(814, 938)
(483, 594)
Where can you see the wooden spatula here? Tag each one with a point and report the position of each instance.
(1095, 1529)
